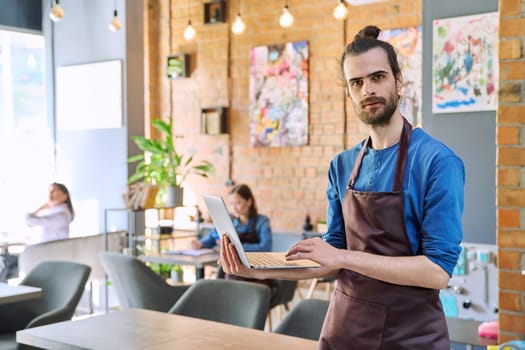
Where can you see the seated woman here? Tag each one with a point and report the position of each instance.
(253, 228)
(54, 216)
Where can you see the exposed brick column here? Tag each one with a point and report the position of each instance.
(510, 186)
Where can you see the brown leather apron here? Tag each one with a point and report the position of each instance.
(366, 313)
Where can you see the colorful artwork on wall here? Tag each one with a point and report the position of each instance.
(279, 95)
(465, 64)
(408, 45)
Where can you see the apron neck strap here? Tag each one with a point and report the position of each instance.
(402, 155)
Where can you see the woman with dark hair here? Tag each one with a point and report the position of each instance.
(54, 216)
(253, 228)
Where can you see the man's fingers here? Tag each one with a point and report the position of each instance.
(234, 259)
(224, 255)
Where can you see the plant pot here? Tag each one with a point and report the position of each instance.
(177, 276)
(174, 196)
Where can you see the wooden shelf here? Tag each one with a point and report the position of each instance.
(215, 12)
(214, 121)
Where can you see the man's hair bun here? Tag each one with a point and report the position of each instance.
(371, 32)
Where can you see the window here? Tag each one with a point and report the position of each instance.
(26, 133)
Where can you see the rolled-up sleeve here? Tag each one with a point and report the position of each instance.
(210, 240)
(51, 222)
(335, 234)
(441, 227)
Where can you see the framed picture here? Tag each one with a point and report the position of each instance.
(465, 64)
(215, 12)
(177, 66)
(408, 45)
(89, 96)
(279, 95)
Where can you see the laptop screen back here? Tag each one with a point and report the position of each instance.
(223, 223)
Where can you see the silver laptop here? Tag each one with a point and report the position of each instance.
(267, 260)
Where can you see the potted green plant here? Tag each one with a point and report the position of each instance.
(162, 165)
(177, 274)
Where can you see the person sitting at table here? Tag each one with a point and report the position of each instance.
(54, 216)
(253, 228)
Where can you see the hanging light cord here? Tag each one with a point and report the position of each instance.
(189, 12)
(170, 47)
(230, 99)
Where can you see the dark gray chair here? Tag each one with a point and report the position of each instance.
(305, 320)
(283, 291)
(62, 284)
(240, 303)
(137, 286)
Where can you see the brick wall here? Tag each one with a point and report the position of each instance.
(288, 182)
(510, 184)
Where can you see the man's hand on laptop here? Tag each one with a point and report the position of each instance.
(315, 249)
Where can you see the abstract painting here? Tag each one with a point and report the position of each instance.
(408, 45)
(465, 64)
(279, 95)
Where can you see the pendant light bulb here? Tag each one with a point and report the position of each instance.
(238, 25)
(286, 19)
(340, 11)
(115, 25)
(189, 32)
(57, 12)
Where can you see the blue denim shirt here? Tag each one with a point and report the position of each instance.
(433, 190)
(262, 228)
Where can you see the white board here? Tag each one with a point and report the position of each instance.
(89, 96)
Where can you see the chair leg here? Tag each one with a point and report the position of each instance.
(91, 308)
(328, 288)
(311, 290)
(299, 293)
(270, 321)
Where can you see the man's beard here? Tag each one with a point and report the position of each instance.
(379, 117)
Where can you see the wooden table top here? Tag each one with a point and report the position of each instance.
(11, 294)
(152, 330)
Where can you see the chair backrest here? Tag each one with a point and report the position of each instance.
(281, 241)
(136, 285)
(283, 291)
(62, 284)
(240, 303)
(82, 250)
(305, 320)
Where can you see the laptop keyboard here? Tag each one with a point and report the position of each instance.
(264, 259)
